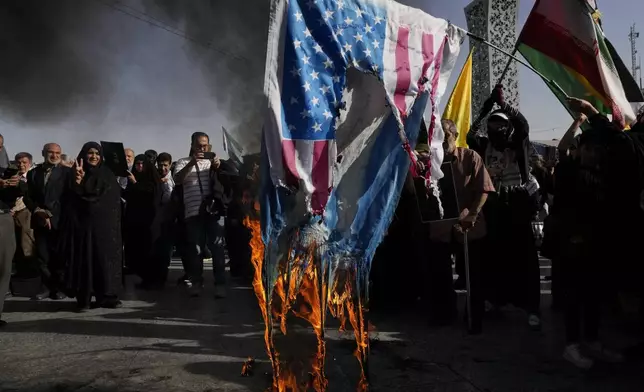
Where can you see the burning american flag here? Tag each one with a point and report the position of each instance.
(348, 83)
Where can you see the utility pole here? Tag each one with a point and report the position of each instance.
(633, 36)
(640, 68)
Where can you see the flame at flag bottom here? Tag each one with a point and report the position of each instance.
(302, 281)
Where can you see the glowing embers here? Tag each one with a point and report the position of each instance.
(300, 287)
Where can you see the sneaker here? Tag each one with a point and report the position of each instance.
(220, 292)
(601, 353)
(573, 355)
(43, 295)
(182, 280)
(194, 289)
(534, 322)
(57, 296)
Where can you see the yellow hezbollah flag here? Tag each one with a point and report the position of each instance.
(459, 106)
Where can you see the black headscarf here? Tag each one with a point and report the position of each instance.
(139, 158)
(151, 155)
(83, 155)
(98, 179)
(149, 177)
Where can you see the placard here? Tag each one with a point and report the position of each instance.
(114, 158)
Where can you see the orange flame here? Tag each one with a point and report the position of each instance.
(257, 258)
(343, 299)
(311, 310)
(312, 292)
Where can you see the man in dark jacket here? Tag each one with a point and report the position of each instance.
(11, 188)
(513, 268)
(46, 184)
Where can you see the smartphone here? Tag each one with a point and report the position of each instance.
(209, 155)
(9, 172)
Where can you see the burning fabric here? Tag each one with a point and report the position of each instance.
(247, 367)
(348, 84)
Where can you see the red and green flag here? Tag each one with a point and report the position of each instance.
(563, 40)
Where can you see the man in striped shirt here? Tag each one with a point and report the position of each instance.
(194, 174)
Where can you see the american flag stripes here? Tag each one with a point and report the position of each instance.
(306, 77)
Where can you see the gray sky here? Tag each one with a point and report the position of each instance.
(80, 70)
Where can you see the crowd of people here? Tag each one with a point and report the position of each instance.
(80, 228)
(589, 204)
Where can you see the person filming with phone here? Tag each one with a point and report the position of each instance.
(11, 188)
(205, 203)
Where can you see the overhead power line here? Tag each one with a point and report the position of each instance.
(155, 22)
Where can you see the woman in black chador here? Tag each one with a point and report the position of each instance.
(142, 196)
(92, 242)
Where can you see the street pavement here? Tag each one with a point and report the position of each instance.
(164, 341)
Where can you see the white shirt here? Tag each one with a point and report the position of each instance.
(168, 186)
(20, 204)
(192, 193)
(123, 180)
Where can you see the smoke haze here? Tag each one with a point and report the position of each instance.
(145, 72)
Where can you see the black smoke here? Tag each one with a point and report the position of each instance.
(41, 76)
(70, 65)
(228, 39)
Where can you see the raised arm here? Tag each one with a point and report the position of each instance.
(569, 136)
(475, 141)
(183, 168)
(518, 120)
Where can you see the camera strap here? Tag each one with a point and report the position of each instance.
(199, 180)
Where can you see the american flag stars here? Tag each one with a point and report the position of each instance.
(324, 38)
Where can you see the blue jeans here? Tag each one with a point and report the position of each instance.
(202, 231)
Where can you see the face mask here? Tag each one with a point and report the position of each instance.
(498, 139)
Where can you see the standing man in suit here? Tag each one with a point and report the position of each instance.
(46, 184)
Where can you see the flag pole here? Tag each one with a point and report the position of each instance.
(513, 57)
(507, 66)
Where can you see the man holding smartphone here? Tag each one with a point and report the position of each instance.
(197, 174)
